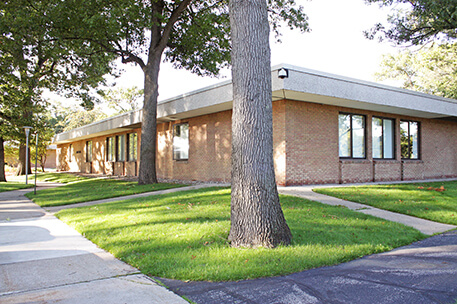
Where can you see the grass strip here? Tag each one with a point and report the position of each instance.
(91, 190)
(10, 186)
(435, 201)
(55, 177)
(183, 236)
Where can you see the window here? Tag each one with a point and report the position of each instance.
(409, 138)
(181, 141)
(88, 151)
(132, 147)
(70, 152)
(351, 135)
(120, 155)
(111, 145)
(383, 138)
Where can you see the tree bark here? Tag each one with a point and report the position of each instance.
(43, 159)
(2, 161)
(256, 215)
(147, 172)
(21, 164)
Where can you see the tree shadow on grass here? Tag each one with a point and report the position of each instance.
(184, 236)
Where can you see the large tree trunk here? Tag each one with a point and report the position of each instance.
(147, 172)
(2, 161)
(21, 164)
(257, 218)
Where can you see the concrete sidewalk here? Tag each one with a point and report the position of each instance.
(42, 260)
(424, 226)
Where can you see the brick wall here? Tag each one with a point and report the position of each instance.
(209, 149)
(305, 140)
(279, 141)
(311, 143)
(76, 161)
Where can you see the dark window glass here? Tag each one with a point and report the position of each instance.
(120, 155)
(88, 151)
(351, 129)
(383, 138)
(181, 141)
(409, 137)
(111, 149)
(132, 146)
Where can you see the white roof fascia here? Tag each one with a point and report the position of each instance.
(301, 84)
(314, 86)
(111, 125)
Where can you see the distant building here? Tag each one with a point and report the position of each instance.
(327, 129)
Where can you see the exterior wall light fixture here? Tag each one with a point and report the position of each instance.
(283, 73)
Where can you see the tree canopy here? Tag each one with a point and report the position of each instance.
(418, 21)
(431, 69)
(67, 46)
(39, 51)
(194, 35)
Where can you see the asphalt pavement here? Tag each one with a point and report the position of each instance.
(422, 273)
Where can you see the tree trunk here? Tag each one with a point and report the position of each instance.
(21, 164)
(147, 171)
(256, 215)
(43, 159)
(2, 161)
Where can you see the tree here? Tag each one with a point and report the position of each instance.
(418, 21)
(38, 51)
(123, 100)
(431, 69)
(75, 118)
(193, 35)
(256, 217)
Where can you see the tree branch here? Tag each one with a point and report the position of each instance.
(171, 22)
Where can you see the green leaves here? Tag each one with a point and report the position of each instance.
(431, 69)
(40, 49)
(418, 22)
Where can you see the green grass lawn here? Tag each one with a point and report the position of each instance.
(433, 201)
(91, 190)
(55, 177)
(183, 236)
(9, 186)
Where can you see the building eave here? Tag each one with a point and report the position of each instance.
(301, 85)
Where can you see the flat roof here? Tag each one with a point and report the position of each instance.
(301, 85)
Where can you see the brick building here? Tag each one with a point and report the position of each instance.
(327, 129)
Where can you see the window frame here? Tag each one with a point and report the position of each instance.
(70, 153)
(352, 137)
(409, 141)
(174, 143)
(120, 148)
(89, 153)
(382, 138)
(111, 149)
(129, 148)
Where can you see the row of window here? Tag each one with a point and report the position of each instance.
(352, 134)
(352, 140)
(120, 147)
(117, 149)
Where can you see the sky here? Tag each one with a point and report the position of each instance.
(336, 45)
